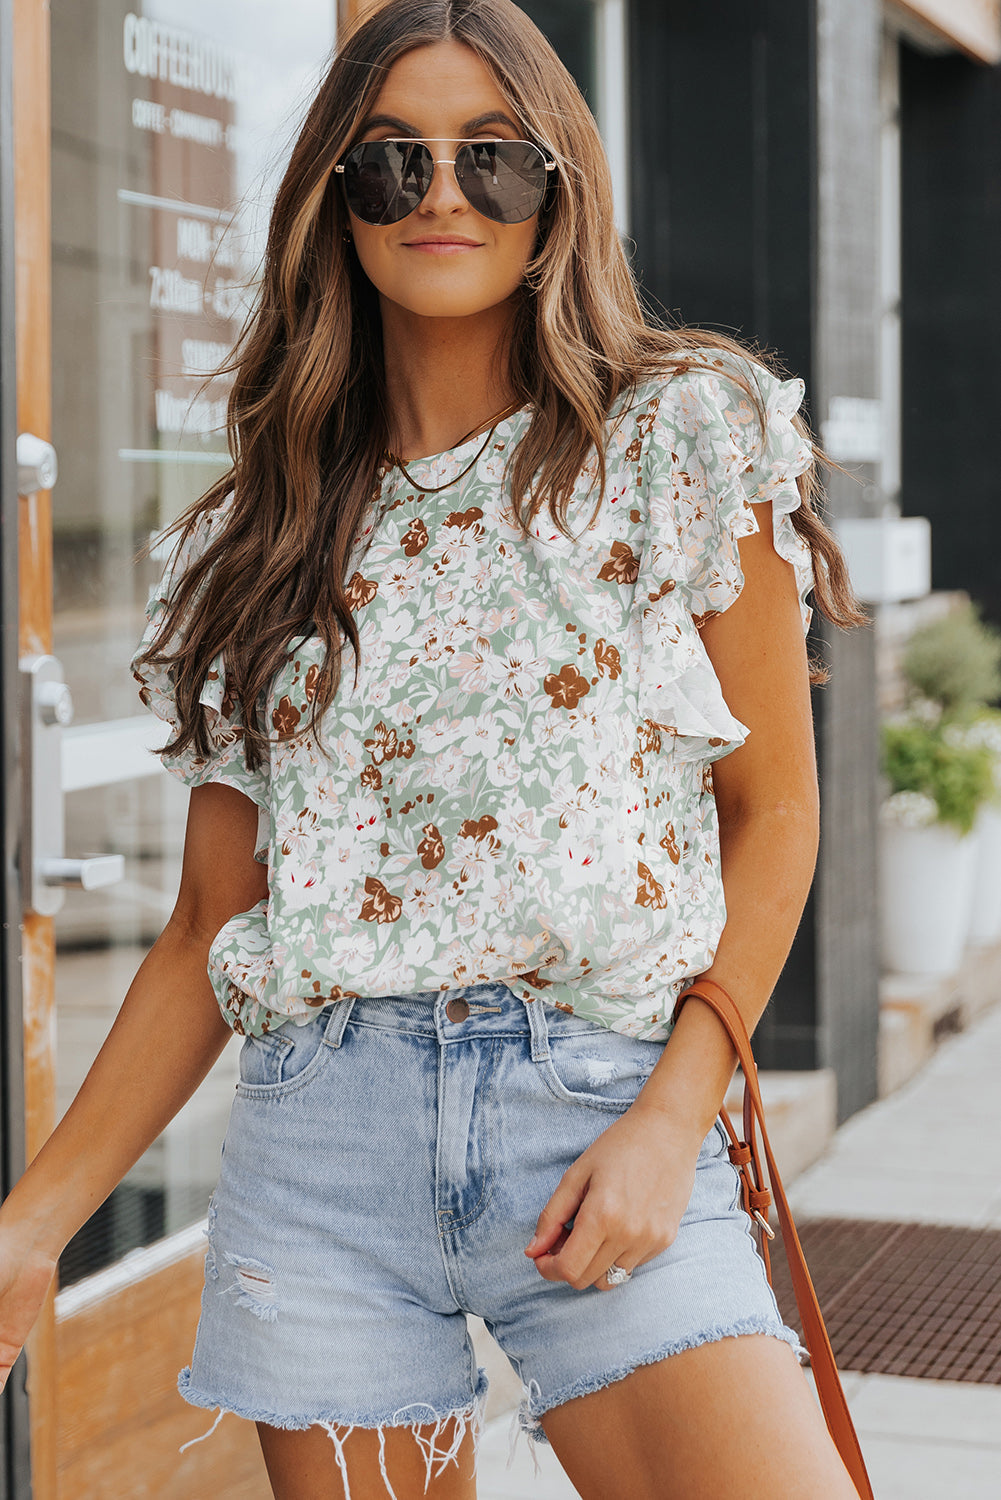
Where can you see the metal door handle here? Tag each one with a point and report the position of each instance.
(46, 710)
(36, 464)
(87, 874)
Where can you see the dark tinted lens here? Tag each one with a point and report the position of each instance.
(503, 180)
(385, 180)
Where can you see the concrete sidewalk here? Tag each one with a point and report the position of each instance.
(924, 1154)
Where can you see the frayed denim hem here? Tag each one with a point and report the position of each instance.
(470, 1417)
(534, 1406)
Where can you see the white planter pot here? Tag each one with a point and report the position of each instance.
(926, 878)
(985, 908)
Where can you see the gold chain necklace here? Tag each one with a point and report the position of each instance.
(433, 489)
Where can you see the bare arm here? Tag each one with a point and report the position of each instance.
(628, 1191)
(768, 803)
(165, 1038)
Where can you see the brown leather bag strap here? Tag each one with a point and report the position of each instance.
(822, 1362)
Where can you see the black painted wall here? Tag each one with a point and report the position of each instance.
(951, 272)
(727, 196)
(723, 150)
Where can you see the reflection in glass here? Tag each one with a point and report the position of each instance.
(171, 125)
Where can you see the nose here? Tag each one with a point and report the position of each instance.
(444, 195)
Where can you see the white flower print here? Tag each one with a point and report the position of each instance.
(574, 808)
(400, 583)
(448, 768)
(501, 619)
(474, 669)
(482, 736)
(458, 545)
(522, 826)
(482, 573)
(520, 671)
(422, 895)
(528, 608)
(441, 732)
(504, 771)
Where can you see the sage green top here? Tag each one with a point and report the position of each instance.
(519, 787)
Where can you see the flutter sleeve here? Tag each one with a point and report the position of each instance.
(226, 762)
(707, 465)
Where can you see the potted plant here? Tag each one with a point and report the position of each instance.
(940, 761)
(928, 847)
(985, 906)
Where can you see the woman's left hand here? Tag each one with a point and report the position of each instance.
(626, 1195)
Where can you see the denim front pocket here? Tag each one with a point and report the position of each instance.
(282, 1060)
(597, 1066)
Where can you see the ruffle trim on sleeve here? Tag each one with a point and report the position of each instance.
(739, 469)
(223, 723)
(679, 690)
(707, 467)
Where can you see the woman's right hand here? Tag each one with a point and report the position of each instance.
(25, 1274)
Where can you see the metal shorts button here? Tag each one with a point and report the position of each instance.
(457, 1010)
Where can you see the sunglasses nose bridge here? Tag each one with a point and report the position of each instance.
(443, 161)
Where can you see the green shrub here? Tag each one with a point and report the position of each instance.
(959, 778)
(955, 661)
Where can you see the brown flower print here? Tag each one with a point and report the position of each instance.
(535, 979)
(473, 828)
(371, 776)
(606, 659)
(621, 566)
(670, 843)
(707, 780)
(286, 716)
(316, 997)
(311, 683)
(644, 424)
(431, 847)
(229, 697)
(566, 687)
(648, 733)
(666, 587)
(649, 892)
(464, 518)
(633, 452)
(383, 744)
(415, 538)
(379, 904)
(360, 591)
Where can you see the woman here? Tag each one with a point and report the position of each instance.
(450, 905)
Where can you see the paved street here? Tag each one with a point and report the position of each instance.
(925, 1154)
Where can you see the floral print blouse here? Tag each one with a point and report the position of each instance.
(519, 787)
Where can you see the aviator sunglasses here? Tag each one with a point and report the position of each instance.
(506, 181)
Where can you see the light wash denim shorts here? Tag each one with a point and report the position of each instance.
(382, 1172)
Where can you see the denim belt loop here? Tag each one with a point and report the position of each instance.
(540, 1032)
(337, 1020)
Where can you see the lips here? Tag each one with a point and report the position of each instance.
(450, 239)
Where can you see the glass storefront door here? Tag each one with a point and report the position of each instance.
(168, 122)
(170, 126)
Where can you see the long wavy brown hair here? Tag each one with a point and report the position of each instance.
(307, 422)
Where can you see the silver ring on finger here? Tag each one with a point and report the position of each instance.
(617, 1275)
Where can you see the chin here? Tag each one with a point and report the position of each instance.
(441, 305)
